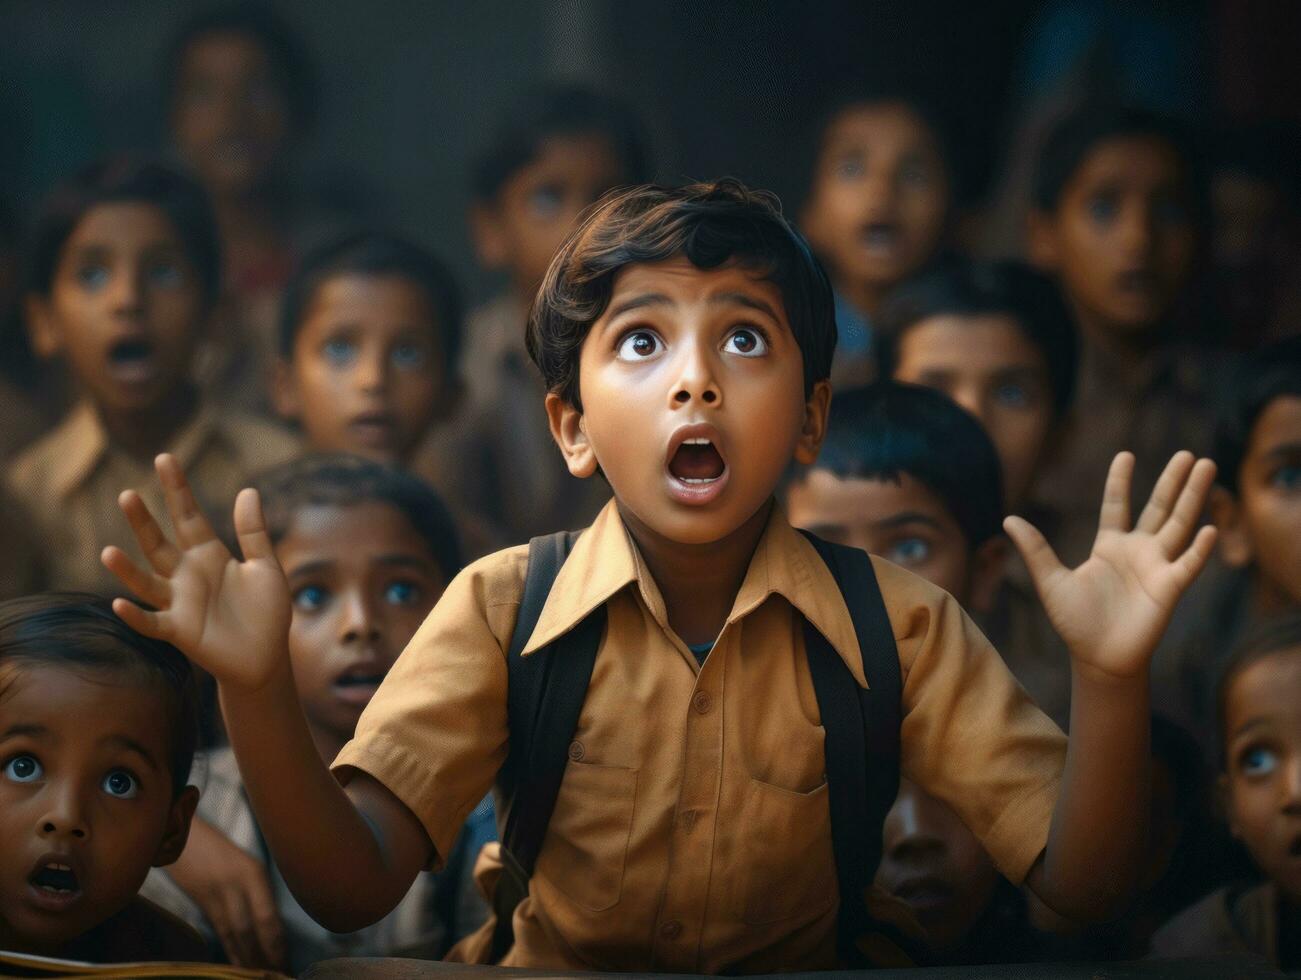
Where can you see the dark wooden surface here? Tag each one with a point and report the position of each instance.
(1225, 968)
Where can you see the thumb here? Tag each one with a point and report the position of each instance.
(1037, 553)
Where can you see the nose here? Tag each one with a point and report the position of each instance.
(371, 373)
(359, 624)
(127, 289)
(1137, 228)
(65, 816)
(696, 382)
(971, 398)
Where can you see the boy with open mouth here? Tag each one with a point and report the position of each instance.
(693, 830)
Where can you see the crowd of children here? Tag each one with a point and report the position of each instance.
(277, 725)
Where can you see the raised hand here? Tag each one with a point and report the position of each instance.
(230, 617)
(1113, 609)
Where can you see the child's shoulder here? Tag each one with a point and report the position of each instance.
(51, 460)
(496, 579)
(1230, 920)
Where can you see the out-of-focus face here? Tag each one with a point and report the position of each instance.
(692, 386)
(125, 308)
(880, 195)
(362, 580)
(1262, 526)
(539, 205)
(932, 862)
(367, 374)
(230, 113)
(1262, 778)
(988, 366)
(1122, 238)
(903, 521)
(86, 802)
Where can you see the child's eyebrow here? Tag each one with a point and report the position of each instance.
(309, 568)
(907, 517)
(743, 299)
(639, 302)
(32, 731)
(1258, 722)
(131, 745)
(1284, 451)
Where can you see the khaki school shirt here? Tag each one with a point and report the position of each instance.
(691, 833)
(68, 484)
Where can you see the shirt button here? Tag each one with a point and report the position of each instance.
(702, 702)
(576, 751)
(671, 930)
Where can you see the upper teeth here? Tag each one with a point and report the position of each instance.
(697, 442)
(54, 866)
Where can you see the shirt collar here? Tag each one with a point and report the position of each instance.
(82, 445)
(605, 560)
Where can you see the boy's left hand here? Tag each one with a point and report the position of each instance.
(1113, 609)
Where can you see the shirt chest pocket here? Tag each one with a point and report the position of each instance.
(788, 868)
(586, 846)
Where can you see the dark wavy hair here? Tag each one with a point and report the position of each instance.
(80, 631)
(711, 224)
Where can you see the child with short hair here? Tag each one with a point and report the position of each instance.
(367, 551)
(685, 337)
(906, 474)
(550, 159)
(370, 338)
(1259, 735)
(999, 340)
(877, 209)
(1118, 216)
(97, 731)
(125, 269)
(1256, 508)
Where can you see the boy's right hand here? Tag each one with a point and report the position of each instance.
(230, 617)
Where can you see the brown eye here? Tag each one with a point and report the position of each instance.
(747, 343)
(638, 345)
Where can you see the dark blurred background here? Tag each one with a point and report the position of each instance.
(409, 89)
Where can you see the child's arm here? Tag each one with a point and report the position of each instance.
(1112, 611)
(348, 855)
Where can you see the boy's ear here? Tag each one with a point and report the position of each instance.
(1041, 240)
(1234, 541)
(571, 436)
(988, 563)
(42, 330)
(178, 827)
(284, 391)
(814, 429)
(489, 236)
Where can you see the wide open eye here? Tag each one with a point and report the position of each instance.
(339, 351)
(747, 342)
(1258, 760)
(402, 592)
(638, 346)
(121, 784)
(909, 551)
(310, 598)
(23, 769)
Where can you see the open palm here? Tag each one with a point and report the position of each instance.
(230, 617)
(1113, 609)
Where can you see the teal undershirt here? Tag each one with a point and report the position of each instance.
(701, 650)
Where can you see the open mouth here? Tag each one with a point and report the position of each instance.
(373, 428)
(55, 883)
(131, 360)
(358, 684)
(925, 892)
(880, 236)
(696, 462)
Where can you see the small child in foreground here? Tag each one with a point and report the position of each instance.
(97, 731)
(1259, 730)
(685, 336)
(367, 550)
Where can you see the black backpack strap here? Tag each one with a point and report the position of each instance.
(545, 695)
(862, 734)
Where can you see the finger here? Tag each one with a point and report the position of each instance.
(251, 527)
(146, 586)
(1115, 494)
(267, 929)
(1167, 490)
(162, 554)
(235, 931)
(192, 528)
(1174, 534)
(142, 620)
(1038, 554)
(1192, 561)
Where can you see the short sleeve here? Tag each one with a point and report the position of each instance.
(435, 733)
(971, 736)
